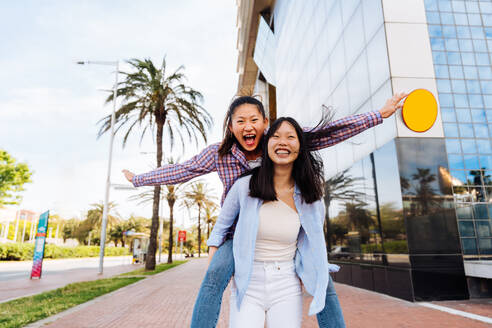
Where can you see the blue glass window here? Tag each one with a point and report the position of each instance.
(463, 211)
(469, 246)
(447, 19)
(455, 161)
(474, 19)
(433, 18)
(486, 7)
(480, 45)
(466, 229)
(446, 99)
(456, 72)
(466, 45)
(451, 130)
(487, 20)
(469, 146)
(487, 87)
(481, 130)
(484, 146)
(445, 5)
(470, 72)
(443, 86)
(460, 19)
(449, 31)
(480, 211)
(485, 73)
(435, 31)
(482, 59)
(453, 146)
(468, 58)
(486, 162)
(471, 162)
(473, 85)
(447, 114)
(476, 102)
(458, 86)
(488, 102)
(478, 115)
(442, 71)
(459, 6)
(439, 57)
(463, 32)
(484, 229)
(431, 5)
(489, 116)
(488, 32)
(472, 7)
(476, 32)
(466, 130)
(452, 45)
(485, 245)
(463, 115)
(437, 43)
(460, 100)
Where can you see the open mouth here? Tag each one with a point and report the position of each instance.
(282, 152)
(249, 139)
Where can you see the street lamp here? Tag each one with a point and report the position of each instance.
(108, 178)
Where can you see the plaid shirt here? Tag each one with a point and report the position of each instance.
(233, 165)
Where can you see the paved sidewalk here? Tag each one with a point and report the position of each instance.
(166, 300)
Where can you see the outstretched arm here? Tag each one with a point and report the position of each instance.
(350, 126)
(200, 164)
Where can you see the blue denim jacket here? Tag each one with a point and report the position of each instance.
(311, 260)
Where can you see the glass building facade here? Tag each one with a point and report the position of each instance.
(406, 211)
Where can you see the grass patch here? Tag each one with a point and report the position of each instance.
(22, 311)
(158, 268)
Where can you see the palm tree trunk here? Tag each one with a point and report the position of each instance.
(199, 232)
(171, 215)
(150, 261)
(326, 226)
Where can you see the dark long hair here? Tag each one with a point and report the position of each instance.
(229, 139)
(308, 166)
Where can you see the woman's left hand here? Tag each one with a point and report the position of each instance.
(393, 104)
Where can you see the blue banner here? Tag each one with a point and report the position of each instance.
(37, 263)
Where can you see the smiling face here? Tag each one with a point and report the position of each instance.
(284, 145)
(248, 126)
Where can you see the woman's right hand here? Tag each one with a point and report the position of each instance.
(128, 175)
(211, 252)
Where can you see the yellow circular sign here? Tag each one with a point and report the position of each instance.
(419, 110)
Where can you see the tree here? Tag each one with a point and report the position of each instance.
(13, 176)
(339, 187)
(95, 215)
(210, 216)
(199, 195)
(424, 191)
(157, 102)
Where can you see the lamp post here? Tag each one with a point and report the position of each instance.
(108, 178)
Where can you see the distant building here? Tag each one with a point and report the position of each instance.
(428, 195)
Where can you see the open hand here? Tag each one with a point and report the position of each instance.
(128, 175)
(393, 104)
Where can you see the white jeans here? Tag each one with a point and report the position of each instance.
(273, 295)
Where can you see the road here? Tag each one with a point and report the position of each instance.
(22, 269)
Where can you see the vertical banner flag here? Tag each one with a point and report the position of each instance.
(37, 262)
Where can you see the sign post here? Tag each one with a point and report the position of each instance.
(181, 238)
(37, 262)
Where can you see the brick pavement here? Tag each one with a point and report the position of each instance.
(166, 300)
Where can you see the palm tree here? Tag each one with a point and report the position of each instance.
(210, 216)
(159, 103)
(95, 215)
(199, 195)
(339, 187)
(424, 191)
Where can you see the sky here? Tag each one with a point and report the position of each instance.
(50, 107)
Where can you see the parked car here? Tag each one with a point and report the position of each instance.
(339, 253)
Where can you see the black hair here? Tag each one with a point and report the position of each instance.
(308, 166)
(229, 139)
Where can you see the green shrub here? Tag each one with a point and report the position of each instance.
(23, 252)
